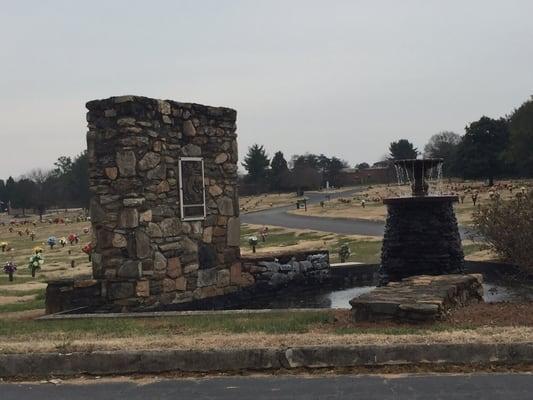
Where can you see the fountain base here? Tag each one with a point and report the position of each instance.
(418, 298)
(421, 238)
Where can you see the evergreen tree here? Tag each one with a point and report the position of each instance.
(278, 169)
(256, 164)
(403, 149)
(23, 194)
(10, 189)
(79, 180)
(520, 150)
(3, 197)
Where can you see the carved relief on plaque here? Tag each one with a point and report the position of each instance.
(192, 188)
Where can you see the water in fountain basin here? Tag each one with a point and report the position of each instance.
(494, 292)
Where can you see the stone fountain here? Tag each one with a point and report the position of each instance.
(421, 235)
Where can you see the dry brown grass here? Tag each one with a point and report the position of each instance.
(205, 341)
(57, 261)
(377, 211)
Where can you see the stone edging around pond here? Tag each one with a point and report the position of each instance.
(261, 359)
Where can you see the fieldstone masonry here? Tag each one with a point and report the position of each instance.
(146, 252)
(165, 216)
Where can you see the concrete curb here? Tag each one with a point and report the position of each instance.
(157, 361)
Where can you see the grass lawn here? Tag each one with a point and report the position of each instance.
(276, 329)
(365, 249)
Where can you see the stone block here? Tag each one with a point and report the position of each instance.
(418, 298)
(207, 277)
(121, 290)
(135, 202)
(191, 150)
(170, 226)
(110, 113)
(160, 263)
(142, 244)
(188, 128)
(142, 289)
(225, 206)
(190, 268)
(161, 187)
(215, 190)
(130, 269)
(234, 231)
(159, 172)
(190, 246)
(207, 235)
(181, 283)
(126, 163)
(235, 273)
(174, 267)
(153, 230)
(119, 240)
(221, 158)
(111, 172)
(169, 285)
(129, 218)
(164, 107)
(223, 278)
(149, 161)
(170, 246)
(126, 121)
(145, 216)
(96, 212)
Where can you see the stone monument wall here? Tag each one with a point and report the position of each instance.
(145, 163)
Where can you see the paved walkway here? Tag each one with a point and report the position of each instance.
(493, 386)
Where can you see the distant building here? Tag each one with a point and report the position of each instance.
(380, 172)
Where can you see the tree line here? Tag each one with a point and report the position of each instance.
(65, 185)
(489, 149)
(302, 172)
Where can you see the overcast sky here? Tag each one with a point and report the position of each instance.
(342, 78)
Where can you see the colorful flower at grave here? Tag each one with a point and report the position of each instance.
(37, 249)
(88, 248)
(62, 241)
(72, 238)
(3, 246)
(10, 267)
(36, 261)
(51, 241)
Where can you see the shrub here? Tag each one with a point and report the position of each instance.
(507, 229)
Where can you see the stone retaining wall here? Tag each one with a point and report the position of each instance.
(256, 278)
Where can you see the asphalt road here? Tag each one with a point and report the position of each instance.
(279, 217)
(457, 387)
